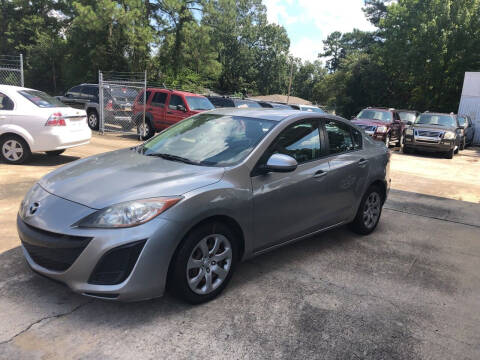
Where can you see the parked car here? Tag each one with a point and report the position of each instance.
(434, 132)
(468, 128)
(273, 105)
(229, 102)
(311, 108)
(32, 121)
(118, 102)
(198, 198)
(408, 115)
(382, 124)
(166, 107)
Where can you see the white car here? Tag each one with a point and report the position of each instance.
(33, 121)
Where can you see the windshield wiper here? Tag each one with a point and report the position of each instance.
(174, 158)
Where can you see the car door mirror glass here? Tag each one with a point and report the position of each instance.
(281, 163)
(181, 108)
(409, 123)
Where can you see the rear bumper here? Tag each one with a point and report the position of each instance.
(61, 139)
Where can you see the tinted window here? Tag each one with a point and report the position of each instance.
(357, 139)
(210, 139)
(141, 97)
(440, 120)
(380, 115)
(5, 102)
(41, 99)
(75, 89)
(407, 116)
(300, 141)
(199, 103)
(339, 137)
(175, 100)
(159, 99)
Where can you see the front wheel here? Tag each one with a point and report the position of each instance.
(14, 150)
(449, 155)
(145, 131)
(204, 263)
(387, 141)
(369, 211)
(92, 119)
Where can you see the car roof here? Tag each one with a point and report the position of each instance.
(185, 93)
(274, 114)
(438, 113)
(404, 110)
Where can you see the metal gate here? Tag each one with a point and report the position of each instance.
(121, 99)
(11, 70)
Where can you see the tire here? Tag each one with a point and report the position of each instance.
(449, 155)
(92, 119)
(463, 145)
(406, 150)
(400, 141)
(13, 149)
(192, 285)
(367, 218)
(148, 132)
(55, 152)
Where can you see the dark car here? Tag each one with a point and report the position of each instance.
(434, 132)
(118, 102)
(230, 102)
(382, 124)
(468, 128)
(273, 105)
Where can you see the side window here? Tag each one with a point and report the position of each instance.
(357, 139)
(339, 137)
(159, 99)
(140, 97)
(461, 121)
(300, 141)
(175, 100)
(5, 102)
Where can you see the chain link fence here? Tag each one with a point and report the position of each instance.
(11, 70)
(121, 99)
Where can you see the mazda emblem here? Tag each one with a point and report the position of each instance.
(33, 208)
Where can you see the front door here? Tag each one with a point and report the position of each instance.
(176, 109)
(157, 109)
(289, 205)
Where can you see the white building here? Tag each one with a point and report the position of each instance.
(470, 101)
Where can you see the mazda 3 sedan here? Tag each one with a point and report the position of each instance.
(182, 209)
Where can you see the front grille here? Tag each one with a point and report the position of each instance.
(50, 250)
(117, 264)
(432, 134)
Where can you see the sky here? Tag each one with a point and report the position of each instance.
(308, 22)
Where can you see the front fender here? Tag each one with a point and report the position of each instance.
(20, 131)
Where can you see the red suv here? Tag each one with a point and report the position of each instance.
(165, 107)
(382, 124)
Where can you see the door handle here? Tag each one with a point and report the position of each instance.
(320, 174)
(363, 162)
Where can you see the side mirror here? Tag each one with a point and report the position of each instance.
(181, 108)
(281, 163)
(68, 95)
(409, 123)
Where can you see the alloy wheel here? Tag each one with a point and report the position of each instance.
(143, 129)
(371, 210)
(92, 121)
(12, 150)
(209, 264)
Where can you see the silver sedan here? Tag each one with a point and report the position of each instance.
(185, 207)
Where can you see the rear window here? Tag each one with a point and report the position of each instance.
(41, 99)
(199, 103)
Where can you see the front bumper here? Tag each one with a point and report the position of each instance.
(71, 255)
(441, 145)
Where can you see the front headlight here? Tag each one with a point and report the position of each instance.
(409, 132)
(381, 129)
(128, 214)
(449, 135)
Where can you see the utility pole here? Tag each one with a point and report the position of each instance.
(290, 81)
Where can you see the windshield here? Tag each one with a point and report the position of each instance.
(379, 115)
(209, 139)
(246, 104)
(41, 99)
(438, 120)
(312, 109)
(199, 103)
(407, 116)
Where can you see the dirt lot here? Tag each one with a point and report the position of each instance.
(409, 291)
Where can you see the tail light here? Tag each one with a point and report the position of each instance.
(56, 119)
(109, 106)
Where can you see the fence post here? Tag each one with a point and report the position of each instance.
(144, 100)
(22, 81)
(100, 102)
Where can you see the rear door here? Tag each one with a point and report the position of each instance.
(349, 166)
(157, 108)
(174, 114)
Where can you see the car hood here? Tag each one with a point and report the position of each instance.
(369, 122)
(124, 175)
(434, 127)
